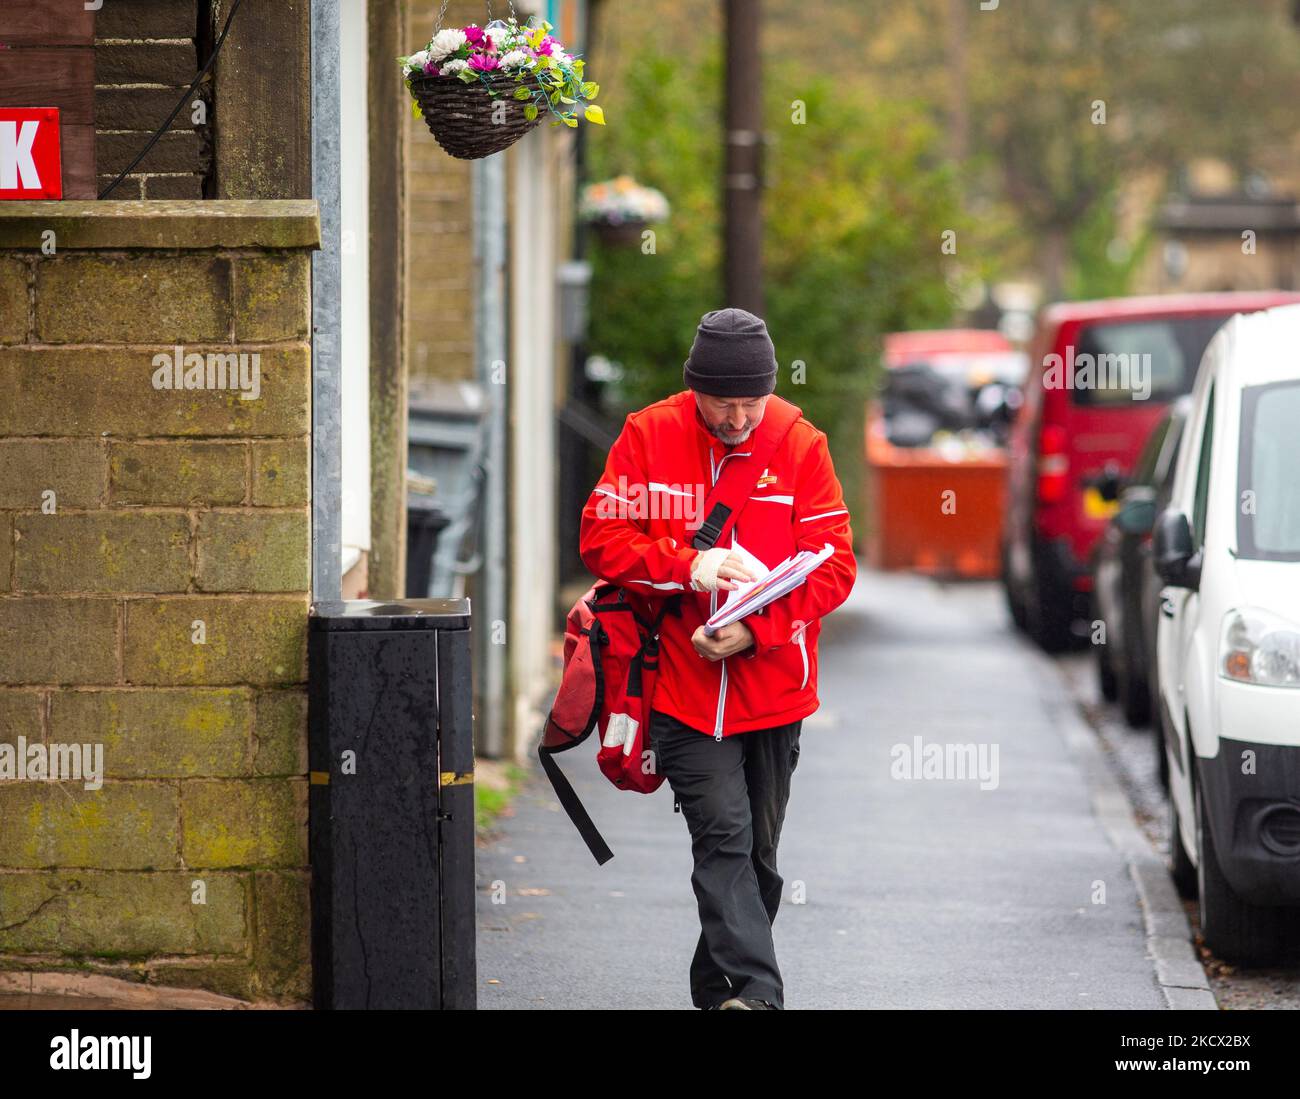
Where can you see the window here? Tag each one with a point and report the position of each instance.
(1202, 500)
(1168, 460)
(1168, 351)
(1268, 518)
(1144, 472)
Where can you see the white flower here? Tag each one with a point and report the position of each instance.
(622, 200)
(453, 66)
(416, 62)
(501, 33)
(515, 59)
(445, 42)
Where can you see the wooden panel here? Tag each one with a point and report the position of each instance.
(45, 74)
(78, 151)
(59, 77)
(47, 23)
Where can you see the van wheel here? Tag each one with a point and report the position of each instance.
(1107, 682)
(1162, 756)
(1159, 734)
(1015, 605)
(1245, 934)
(1049, 615)
(1180, 862)
(1134, 694)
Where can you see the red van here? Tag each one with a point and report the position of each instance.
(1100, 376)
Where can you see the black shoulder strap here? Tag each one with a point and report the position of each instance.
(573, 806)
(569, 799)
(740, 476)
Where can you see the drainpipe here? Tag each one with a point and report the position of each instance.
(490, 347)
(326, 308)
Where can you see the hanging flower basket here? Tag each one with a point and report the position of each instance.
(481, 89)
(462, 121)
(619, 234)
(620, 209)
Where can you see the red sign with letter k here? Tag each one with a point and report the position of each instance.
(30, 165)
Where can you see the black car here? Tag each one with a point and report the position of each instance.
(1125, 585)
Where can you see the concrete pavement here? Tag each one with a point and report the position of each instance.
(924, 892)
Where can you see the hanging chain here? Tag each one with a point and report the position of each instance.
(512, 10)
(442, 12)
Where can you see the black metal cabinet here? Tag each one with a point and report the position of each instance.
(391, 757)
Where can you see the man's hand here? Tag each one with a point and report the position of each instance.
(717, 569)
(726, 642)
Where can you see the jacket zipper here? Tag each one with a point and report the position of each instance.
(713, 607)
(713, 598)
(803, 651)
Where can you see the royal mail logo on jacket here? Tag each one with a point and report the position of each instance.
(666, 458)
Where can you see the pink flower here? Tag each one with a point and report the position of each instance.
(548, 46)
(473, 35)
(483, 62)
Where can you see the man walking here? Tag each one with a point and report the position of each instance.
(727, 708)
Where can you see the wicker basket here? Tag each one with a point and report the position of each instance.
(459, 114)
(620, 234)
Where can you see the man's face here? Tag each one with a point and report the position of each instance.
(731, 419)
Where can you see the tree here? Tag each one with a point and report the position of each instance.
(1068, 101)
(856, 209)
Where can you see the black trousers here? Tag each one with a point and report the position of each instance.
(733, 794)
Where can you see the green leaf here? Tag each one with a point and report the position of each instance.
(415, 109)
(522, 93)
(569, 120)
(567, 99)
(594, 114)
(530, 112)
(467, 76)
(590, 89)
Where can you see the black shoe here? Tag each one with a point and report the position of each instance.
(745, 1003)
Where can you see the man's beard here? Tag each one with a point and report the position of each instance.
(728, 438)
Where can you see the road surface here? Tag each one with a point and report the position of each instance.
(917, 892)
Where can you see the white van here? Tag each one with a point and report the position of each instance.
(1228, 640)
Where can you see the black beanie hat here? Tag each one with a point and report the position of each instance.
(732, 356)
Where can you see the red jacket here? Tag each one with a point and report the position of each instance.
(634, 533)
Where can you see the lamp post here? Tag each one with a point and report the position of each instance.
(742, 183)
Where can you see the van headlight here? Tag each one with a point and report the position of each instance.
(1257, 646)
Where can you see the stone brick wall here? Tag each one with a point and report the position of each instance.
(440, 244)
(154, 576)
(146, 54)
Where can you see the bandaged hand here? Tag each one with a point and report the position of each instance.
(717, 569)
